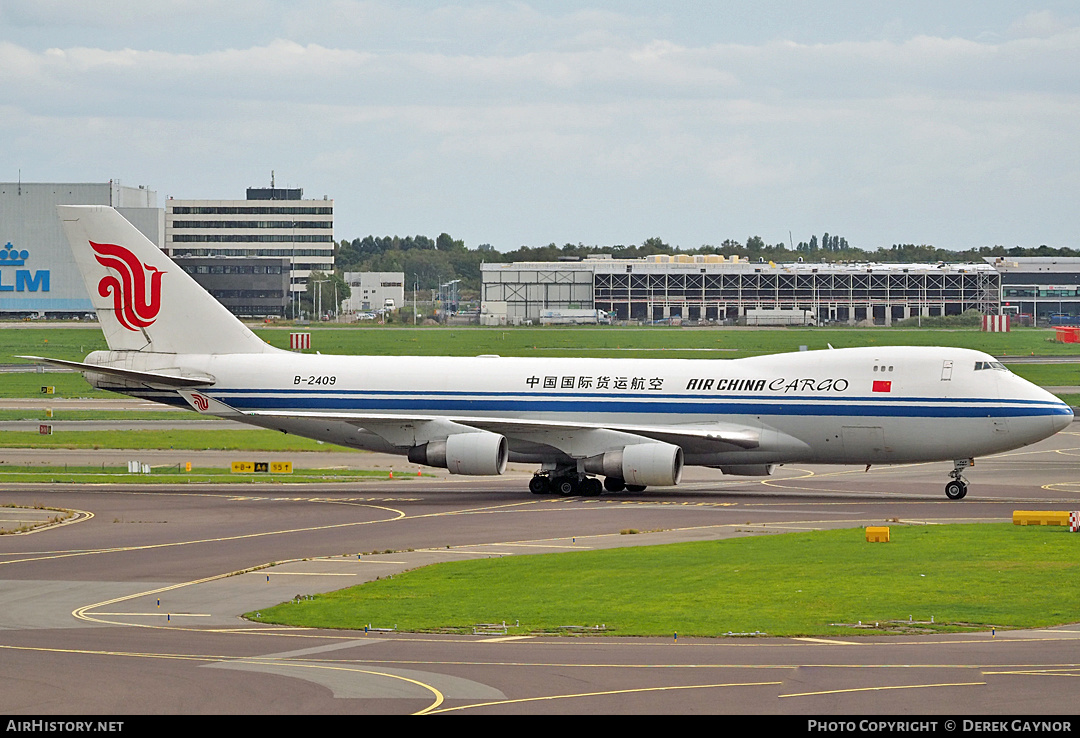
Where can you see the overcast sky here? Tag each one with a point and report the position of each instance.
(955, 124)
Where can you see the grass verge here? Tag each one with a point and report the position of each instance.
(174, 475)
(224, 440)
(75, 343)
(935, 578)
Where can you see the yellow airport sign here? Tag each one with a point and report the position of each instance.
(262, 467)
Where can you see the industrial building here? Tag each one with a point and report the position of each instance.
(714, 288)
(38, 276)
(373, 291)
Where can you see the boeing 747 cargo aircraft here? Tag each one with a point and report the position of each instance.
(632, 422)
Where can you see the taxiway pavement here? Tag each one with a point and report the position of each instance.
(134, 609)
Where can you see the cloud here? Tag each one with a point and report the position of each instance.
(1041, 24)
(590, 117)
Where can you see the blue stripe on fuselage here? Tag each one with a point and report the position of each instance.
(685, 405)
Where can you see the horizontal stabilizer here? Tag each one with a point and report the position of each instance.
(153, 379)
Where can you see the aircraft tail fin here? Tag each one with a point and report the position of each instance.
(144, 301)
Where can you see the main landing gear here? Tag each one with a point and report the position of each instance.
(572, 485)
(957, 489)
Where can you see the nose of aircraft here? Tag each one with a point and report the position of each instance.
(1057, 412)
(1062, 421)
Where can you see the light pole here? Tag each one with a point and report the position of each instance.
(318, 297)
(448, 294)
(292, 268)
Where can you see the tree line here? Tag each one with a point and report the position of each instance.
(428, 262)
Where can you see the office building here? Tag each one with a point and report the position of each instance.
(271, 223)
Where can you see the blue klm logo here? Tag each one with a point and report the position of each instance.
(24, 280)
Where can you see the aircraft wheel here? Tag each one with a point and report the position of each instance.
(956, 490)
(614, 484)
(592, 487)
(538, 485)
(566, 487)
(635, 488)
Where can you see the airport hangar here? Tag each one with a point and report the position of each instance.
(714, 288)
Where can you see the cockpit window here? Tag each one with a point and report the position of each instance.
(980, 365)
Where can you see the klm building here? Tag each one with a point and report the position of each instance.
(38, 276)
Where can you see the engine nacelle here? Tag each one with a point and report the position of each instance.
(479, 453)
(648, 464)
(748, 470)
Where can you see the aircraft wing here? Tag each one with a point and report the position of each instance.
(588, 439)
(578, 440)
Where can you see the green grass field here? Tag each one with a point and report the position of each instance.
(65, 385)
(241, 439)
(720, 343)
(960, 577)
(1049, 375)
(41, 414)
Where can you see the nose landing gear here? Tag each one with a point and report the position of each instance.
(957, 489)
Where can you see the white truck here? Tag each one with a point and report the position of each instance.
(574, 316)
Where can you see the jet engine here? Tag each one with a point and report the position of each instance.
(648, 464)
(479, 453)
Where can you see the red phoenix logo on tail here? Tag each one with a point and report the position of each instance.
(135, 303)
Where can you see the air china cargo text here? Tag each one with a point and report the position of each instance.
(780, 384)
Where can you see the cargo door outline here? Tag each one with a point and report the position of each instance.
(864, 441)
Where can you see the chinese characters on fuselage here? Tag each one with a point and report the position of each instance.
(656, 384)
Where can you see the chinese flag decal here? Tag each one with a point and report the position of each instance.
(880, 386)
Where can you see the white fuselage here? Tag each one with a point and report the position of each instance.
(862, 405)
